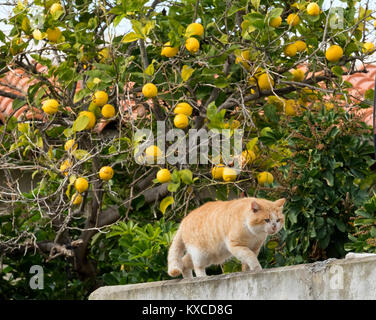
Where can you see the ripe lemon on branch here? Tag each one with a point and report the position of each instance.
(181, 121)
(163, 176)
(293, 19)
(149, 90)
(313, 9)
(217, 171)
(100, 98)
(81, 185)
(228, 174)
(91, 116)
(108, 111)
(265, 177)
(152, 153)
(291, 50)
(50, 106)
(106, 173)
(192, 45)
(194, 29)
(76, 199)
(275, 22)
(334, 53)
(169, 51)
(265, 82)
(53, 35)
(183, 108)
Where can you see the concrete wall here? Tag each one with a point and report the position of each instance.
(331, 279)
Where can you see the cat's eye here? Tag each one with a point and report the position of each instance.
(267, 220)
(278, 220)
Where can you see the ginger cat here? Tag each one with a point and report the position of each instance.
(219, 230)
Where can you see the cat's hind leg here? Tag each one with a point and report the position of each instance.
(187, 266)
(199, 260)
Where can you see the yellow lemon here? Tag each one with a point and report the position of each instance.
(248, 156)
(100, 98)
(293, 19)
(152, 153)
(163, 176)
(291, 107)
(37, 35)
(313, 9)
(53, 35)
(192, 45)
(106, 173)
(334, 53)
(76, 199)
(181, 121)
(368, 47)
(81, 185)
(183, 108)
(290, 50)
(50, 106)
(194, 29)
(300, 45)
(298, 75)
(149, 90)
(275, 22)
(70, 145)
(228, 174)
(108, 111)
(265, 177)
(64, 167)
(217, 171)
(169, 51)
(265, 82)
(55, 8)
(92, 119)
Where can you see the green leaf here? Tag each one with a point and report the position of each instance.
(68, 132)
(329, 178)
(369, 95)
(251, 144)
(256, 4)
(150, 69)
(18, 103)
(337, 70)
(165, 203)
(80, 123)
(186, 176)
(130, 37)
(80, 154)
(275, 13)
(79, 95)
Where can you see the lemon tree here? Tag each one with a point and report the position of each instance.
(276, 70)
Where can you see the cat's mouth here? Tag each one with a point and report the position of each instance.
(273, 230)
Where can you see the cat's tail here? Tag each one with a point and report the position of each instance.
(175, 255)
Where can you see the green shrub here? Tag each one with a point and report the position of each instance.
(329, 177)
(364, 237)
(132, 253)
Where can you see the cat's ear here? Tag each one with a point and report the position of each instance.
(280, 202)
(255, 206)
